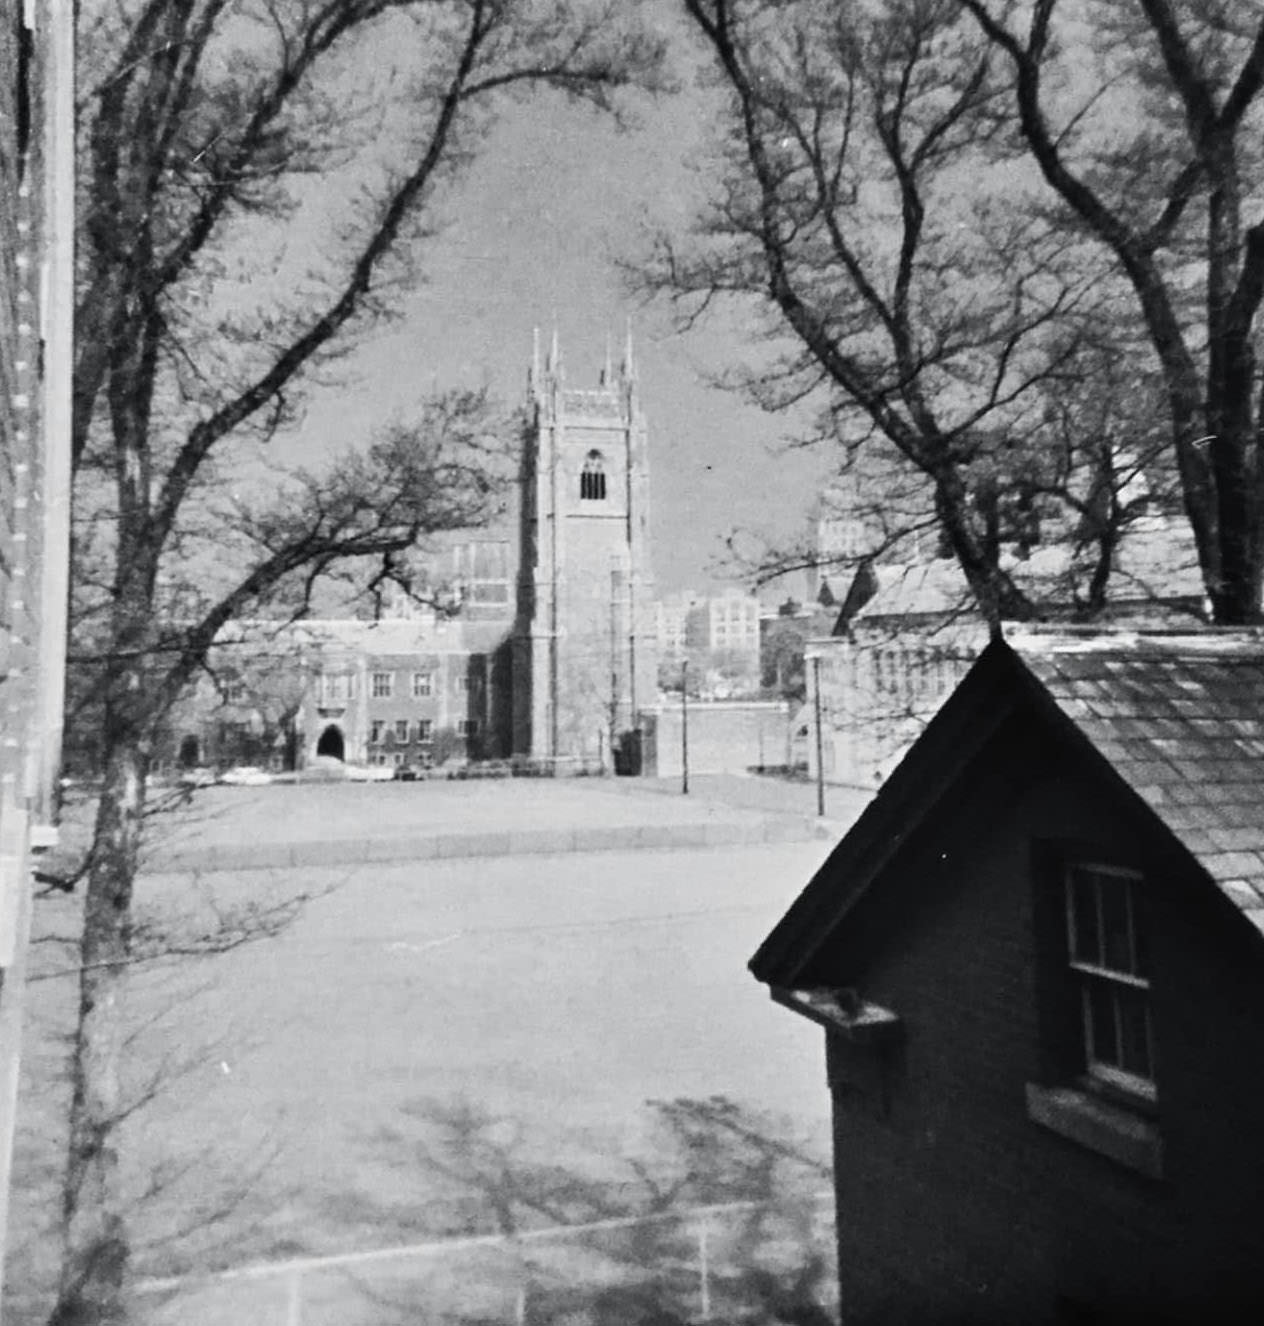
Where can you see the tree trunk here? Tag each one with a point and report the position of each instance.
(95, 1247)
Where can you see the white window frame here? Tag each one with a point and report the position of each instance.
(382, 685)
(423, 685)
(376, 728)
(401, 731)
(1091, 976)
(425, 729)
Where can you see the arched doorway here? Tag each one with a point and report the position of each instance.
(189, 752)
(331, 743)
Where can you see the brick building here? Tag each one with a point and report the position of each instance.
(1038, 960)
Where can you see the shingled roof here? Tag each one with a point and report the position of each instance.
(1181, 720)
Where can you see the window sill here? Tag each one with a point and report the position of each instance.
(1113, 1131)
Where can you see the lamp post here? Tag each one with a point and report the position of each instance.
(684, 727)
(820, 762)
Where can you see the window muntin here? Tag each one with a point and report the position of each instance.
(425, 729)
(592, 479)
(383, 685)
(1107, 954)
(423, 684)
(375, 732)
(401, 731)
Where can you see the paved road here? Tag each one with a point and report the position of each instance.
(532, 1006)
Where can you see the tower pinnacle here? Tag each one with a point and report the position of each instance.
(628, 367)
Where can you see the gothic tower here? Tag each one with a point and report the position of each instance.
(585, 658)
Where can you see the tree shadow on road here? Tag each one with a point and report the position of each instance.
(716, 1213)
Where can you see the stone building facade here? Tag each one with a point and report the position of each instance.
(584, 649)
(544, 645)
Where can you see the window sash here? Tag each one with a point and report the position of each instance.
(1106, 953)
(383, 685)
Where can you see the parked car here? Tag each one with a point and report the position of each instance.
(198, 778)
(245, 775)
(370, 773)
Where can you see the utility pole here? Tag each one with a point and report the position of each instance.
(820, 762)
(684, 727)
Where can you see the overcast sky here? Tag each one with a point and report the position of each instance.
(555, 196)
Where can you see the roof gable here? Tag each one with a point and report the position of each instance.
(1175, 721)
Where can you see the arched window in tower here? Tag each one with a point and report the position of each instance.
(592, 480)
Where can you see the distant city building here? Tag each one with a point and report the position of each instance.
(719, 635)
(907, 634)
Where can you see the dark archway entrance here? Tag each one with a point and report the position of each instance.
(331, 743)
(189, 752)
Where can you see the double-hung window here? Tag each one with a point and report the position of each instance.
(1107, 955)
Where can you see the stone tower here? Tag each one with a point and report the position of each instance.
(585, 658)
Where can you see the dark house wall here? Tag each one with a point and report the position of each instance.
(953, 1204)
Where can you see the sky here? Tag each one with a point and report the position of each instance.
(556, 196)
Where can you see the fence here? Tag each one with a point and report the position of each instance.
(705, 1264)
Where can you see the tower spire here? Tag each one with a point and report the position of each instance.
(533, 377)
(555, 355)
(628, 367)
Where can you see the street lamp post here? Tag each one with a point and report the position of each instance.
(684, 727)
(820, 762)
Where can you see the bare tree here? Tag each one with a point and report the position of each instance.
(867, 202)
(968, 248)
(203, 127)
(1158, 160)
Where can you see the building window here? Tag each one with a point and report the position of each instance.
(401, 731)
(336, 688)
(1106, 946)
(383, 685)
(1097, 1084)
(425, 729)
(234, 691)
(423, 685)
(462, 683)
(397, 760)
(467, 727)
(375, 732)
(592, 480)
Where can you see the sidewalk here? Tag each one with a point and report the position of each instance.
(286, 826)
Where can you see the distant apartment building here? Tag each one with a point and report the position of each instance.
(719, 634)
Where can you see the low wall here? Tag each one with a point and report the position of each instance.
(724, 736)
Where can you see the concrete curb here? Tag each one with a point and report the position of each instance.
(511, 842)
